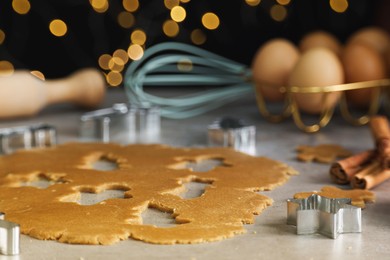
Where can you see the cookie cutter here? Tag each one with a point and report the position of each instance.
(27, 137)
(121, 123)
(232, 132)
(9, 237)
(327, 216)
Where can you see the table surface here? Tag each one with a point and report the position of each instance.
(269, 237)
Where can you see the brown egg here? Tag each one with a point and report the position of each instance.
(387, 62)
(272, 65)
(362, 62)
(376, 37)
(317, 67)
(320, 39)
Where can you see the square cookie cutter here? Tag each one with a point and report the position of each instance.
(327, 216)
(232, 132)
(27, 137)
(121, 123)
(9, 237)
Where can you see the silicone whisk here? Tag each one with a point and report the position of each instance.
(179, 64)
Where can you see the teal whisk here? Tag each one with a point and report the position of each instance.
(178, 64)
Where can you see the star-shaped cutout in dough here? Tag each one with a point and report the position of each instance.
(324, 153)
(358, 197)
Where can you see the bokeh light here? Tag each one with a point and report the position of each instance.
(126, 19)
(198, 37)
(178, 14)
(185, 65)
(138, 37)
(253, 2)
(21, 6)
(169, 4)
(339, 6)
(2, 36)
(283, 2)
(210, 21)
(6, 68)
(58, 27)
(278, 13)
(116, 64)
(135, 52)
(122, 54)
(99, 6)
(38, 74)
(130, 5)
(170, 28)
(114, 78)
(103, 61)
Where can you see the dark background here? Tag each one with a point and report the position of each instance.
(30, 45)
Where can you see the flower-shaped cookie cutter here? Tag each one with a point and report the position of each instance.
(122, 123)
(27, 137)
(9, 237)
(327, 216)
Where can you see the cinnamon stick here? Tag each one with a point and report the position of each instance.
(370, 176)
(380, 130)
(343, 170)
(367, 169)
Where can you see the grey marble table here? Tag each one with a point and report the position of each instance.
(269, 237)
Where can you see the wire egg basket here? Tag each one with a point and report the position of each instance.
(379, 90)
(178, 64)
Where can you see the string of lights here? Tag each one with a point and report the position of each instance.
(54, 38)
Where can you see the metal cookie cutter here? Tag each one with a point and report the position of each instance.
(122, 123)
(231, 132)
(329, 217)
(9, 237)
(26, 137)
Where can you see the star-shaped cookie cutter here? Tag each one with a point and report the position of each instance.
(9, 237)
(27, 137)
(327, 216)
(233, 132)
(123, 123)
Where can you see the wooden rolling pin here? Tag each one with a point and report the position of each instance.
(22, 94)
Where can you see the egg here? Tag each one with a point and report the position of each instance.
(317, 67)
(320, 38)
(271, 66)
(362, 62)
(374, 36)
(387, 62)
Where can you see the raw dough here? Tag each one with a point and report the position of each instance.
(358, 197)
(324, 153)
(150, 176)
